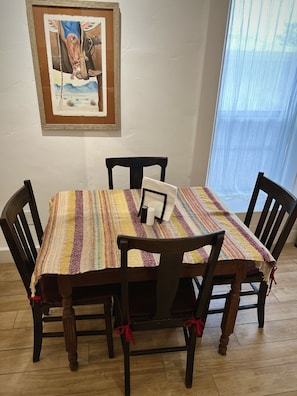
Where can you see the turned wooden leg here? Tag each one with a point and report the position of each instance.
(231, 308)
(69, 323)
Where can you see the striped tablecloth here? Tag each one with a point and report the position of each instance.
(83, 226)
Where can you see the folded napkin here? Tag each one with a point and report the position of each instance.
(153, 198)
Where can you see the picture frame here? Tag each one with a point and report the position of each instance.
(161, 208)
(158, 195)
(76, 57)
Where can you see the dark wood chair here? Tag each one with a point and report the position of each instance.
(136, 165)
(278, 212)
(22, 240)
(169, 301)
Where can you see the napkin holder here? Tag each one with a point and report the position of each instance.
(158, 195)
(144, 191)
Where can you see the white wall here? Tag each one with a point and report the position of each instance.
(170, 64)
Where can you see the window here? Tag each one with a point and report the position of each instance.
(256, 120)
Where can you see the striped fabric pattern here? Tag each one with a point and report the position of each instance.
(82, 230)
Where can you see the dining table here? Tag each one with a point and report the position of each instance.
(80, 246)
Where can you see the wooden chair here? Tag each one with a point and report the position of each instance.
(278, 212)
(168, 302)
(136, 165)
(21, 242)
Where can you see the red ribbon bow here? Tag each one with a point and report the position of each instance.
(126, 330)
(34, 298)
(198, 323)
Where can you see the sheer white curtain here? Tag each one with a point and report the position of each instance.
(256, 121)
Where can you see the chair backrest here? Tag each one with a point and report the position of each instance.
(278, 214)
(136, 165)
(169, 271)
(17, 231)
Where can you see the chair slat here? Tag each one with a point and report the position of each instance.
(266, 231)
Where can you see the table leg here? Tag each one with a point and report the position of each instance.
(69, 323)
(231, 308)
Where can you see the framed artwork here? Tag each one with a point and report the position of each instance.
(75, 50)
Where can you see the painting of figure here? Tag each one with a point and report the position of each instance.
(76, 53)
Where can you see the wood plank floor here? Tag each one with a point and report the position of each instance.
(258, 362)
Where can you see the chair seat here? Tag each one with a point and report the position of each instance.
(146, 306)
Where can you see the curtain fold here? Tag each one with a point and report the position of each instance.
(255, 128)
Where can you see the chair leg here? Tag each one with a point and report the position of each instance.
(261, 303)
(126, 350)
(37, 329)
(190, 359)
(108, 327)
